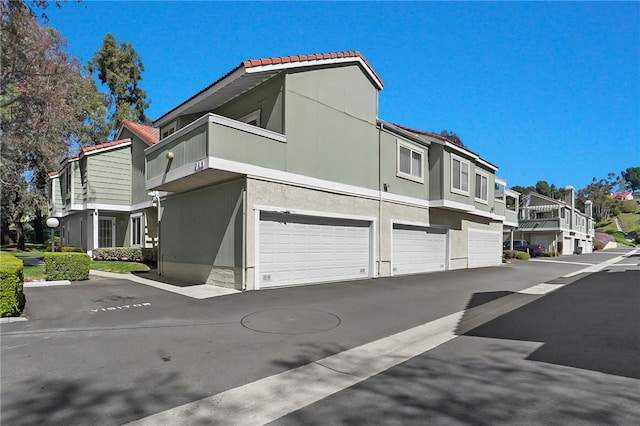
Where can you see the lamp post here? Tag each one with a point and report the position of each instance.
(53, 223)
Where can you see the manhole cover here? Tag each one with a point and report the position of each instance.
(290, 321)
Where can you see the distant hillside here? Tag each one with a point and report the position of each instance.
(629, 222)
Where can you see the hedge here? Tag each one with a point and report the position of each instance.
(69, 249)
(150, 254)
(67, 266)
(130, 254)
(520, 255)
(11, 283)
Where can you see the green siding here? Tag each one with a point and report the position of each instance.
(267, 97)
(436, 172)
(389, 168)
(204, 226)
(139, 193)
(331, 126)
(109, 177)
(187, 148)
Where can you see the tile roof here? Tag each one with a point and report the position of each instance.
(87, 149)
(308, 58)
(303, 60)
(150, 134)
(420, 132)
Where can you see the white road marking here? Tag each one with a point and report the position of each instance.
(560, 261)
(268, 399)
(116, 308)
(542, 288)
(600, 266)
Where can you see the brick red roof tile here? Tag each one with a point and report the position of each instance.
(105, 145)
(420, 132)
(150, 134)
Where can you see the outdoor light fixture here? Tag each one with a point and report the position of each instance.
(53, 223)
(169, 155)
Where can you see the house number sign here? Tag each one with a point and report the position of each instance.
(200, 164)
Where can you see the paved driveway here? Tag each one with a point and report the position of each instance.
(109, 351)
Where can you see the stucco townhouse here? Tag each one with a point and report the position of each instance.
(281, 173)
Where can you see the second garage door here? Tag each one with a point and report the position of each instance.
(484, 248)
(295, 249)
(417, 250)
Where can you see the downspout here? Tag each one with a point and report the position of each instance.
(244, 238)
(380, 188)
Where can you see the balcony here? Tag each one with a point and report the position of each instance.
(210, 150)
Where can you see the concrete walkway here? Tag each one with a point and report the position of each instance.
(197, 291)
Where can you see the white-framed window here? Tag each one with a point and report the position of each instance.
(106, 231)
(410, 162)
(567, 218)
(459, 175)
(169, 129)
(482, 188)
(136, 230)
(252, 118)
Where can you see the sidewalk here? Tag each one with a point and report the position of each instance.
(152, 279)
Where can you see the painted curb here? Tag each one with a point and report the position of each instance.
(46, 283)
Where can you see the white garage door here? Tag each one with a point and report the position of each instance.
(417, 250)
(297, 249)
(567, 245)
(485, 248)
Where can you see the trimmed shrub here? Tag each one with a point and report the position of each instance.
(11, 284)
(514, 254)
(67, 249)
(150, 254)
(129, 254)
(66, 266)
(551, 254)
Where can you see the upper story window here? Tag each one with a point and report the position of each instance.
(482, 188)
(169, 130)
(410, 162)
(459, 175)
(252, 118)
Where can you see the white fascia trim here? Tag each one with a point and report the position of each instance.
(216, 87)
(111, 207)
(471, 154)
(161, 143)
(143, 205)
(500, 181)
(109, 148)
(77, 207)
(313, 213)
(282, 177)
(512, 224)
(315, 62)
(403, 199)
(223, 121)
(466, 208)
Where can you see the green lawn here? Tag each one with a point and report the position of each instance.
(118, 266)
(630, 222)
(33, 273)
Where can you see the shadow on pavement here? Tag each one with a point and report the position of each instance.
(592, 324)
(77, 402)
(152, 274)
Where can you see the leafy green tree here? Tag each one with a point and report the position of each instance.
(632, 178)
(598, 192)
(542, 187)
(41, 106)
(119, 67)
(452, 137)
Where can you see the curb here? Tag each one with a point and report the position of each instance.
(46, 283)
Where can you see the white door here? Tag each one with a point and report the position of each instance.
(294, 249)
(484, 248)
(417, 250)
(567, 245)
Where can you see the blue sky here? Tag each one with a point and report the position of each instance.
(546, 91)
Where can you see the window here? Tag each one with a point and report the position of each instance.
(459, 175)
(136, 230)
(252, 118)
(482, 188)
(169, 130)
(410, 162)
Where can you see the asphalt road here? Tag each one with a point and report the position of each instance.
(111, 351)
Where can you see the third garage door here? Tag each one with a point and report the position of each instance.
(296, 249)
(417, 250)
